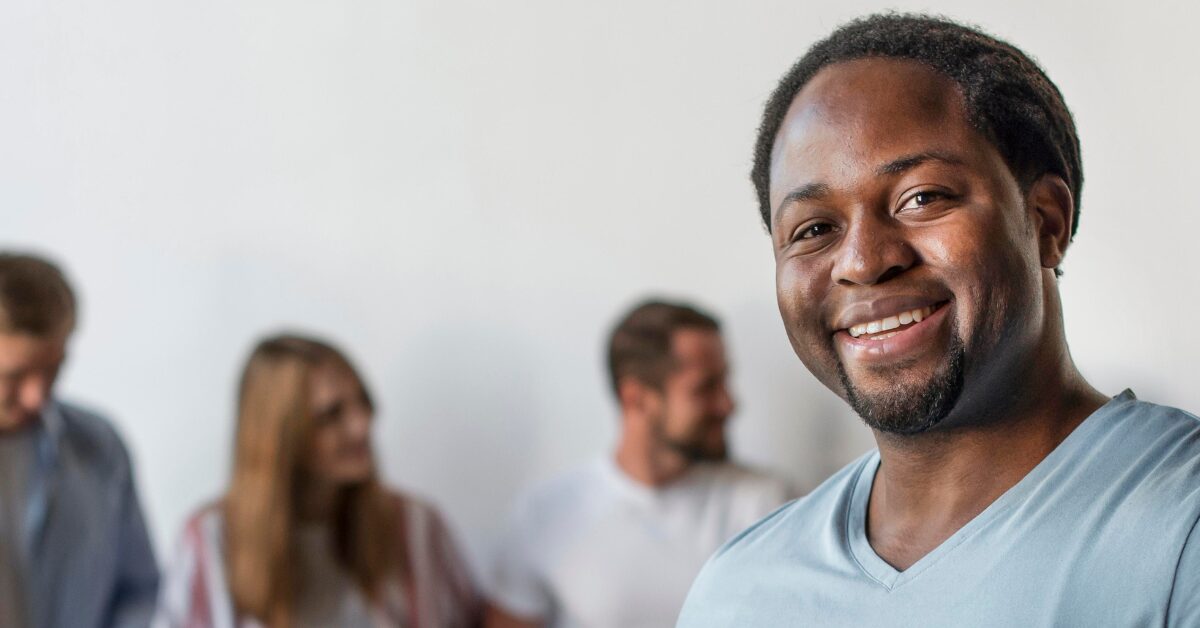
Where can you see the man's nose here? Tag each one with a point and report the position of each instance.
(358, 424)
(873, 250)
(32, 393)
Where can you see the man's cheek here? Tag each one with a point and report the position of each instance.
(791, 300)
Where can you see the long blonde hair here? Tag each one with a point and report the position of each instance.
(274, 426)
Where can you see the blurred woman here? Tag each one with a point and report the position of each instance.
(306, 534)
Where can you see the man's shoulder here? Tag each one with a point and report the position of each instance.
(739, 473)
(561, 504)
(807, 532)
(1155, 415)
(812, 514)
(1147, 438)
(90, 435)
(564, 488)
(740, 479)
(1152, 450)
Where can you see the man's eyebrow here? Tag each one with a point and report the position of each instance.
(806, 192)
(908, 162)
(817, 191)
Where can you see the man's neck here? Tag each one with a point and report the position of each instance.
(930, 485)
(646, 464)
(22, 429)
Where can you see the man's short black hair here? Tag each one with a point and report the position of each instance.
(1008, 98)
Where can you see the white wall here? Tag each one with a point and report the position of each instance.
(465, 193)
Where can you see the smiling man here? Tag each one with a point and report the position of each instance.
(921, 184)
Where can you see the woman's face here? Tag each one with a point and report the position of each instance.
(340, 449)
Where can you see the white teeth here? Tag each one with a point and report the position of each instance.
(890, 323)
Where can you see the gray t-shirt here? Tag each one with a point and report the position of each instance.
(17, 452)
(1101, 533)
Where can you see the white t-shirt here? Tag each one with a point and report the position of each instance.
(595, 548)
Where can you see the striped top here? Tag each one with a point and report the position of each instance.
(194, 592)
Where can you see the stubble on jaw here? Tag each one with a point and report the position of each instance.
(691, 448)
(908, 410)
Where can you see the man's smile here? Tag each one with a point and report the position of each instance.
(891, 336)
(887, 327)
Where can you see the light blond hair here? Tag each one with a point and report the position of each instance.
(274, 426)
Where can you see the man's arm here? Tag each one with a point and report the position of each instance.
(136, 589)
(500, 618)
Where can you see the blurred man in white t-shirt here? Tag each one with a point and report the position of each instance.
(617, 542)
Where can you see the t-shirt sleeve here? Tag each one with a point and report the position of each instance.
(1184, 608)
(516, 584)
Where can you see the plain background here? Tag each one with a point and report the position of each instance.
(465, 194)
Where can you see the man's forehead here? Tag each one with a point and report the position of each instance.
(854, 113)
(883, 84)
(696, 348)
(27, 350)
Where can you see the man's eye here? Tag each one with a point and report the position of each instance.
(921, 199)
(814, 231)
(330, 414)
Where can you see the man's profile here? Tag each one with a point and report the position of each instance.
(617, 542)
(920, 181)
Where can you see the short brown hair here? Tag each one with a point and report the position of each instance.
(35, 297)
(640, 345)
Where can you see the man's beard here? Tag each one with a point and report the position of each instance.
(907, 411)
(692, 447)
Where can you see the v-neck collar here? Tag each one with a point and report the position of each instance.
(886, 575)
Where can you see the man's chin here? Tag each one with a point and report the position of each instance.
(10, 423)
(905, 407)
(698, 453)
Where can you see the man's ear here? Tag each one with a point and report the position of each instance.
(635, 396)
(1052, 209)
(631, 394)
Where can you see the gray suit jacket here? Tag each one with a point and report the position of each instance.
(89, 559)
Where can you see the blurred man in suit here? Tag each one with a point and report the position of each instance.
(74, 552)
